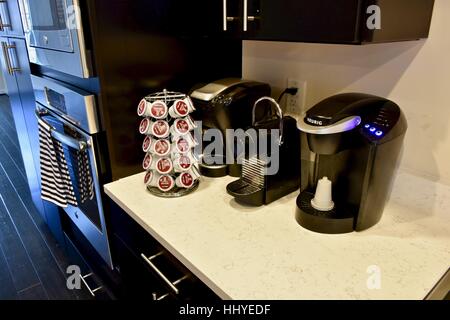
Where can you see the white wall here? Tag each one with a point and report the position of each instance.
(416, 75)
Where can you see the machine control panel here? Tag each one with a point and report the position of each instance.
(379, 123)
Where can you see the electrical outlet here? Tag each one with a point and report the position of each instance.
(295, 105)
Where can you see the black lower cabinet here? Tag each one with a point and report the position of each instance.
(147, 270)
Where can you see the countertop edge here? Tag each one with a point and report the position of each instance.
(169, 248)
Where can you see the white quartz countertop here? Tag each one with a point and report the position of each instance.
(262, 253)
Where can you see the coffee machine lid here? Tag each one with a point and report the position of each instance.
(339, 113)
(213, 89)
(343, 125)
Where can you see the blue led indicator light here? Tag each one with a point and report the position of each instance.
(367, 126)
(373, 129)
(379, 133)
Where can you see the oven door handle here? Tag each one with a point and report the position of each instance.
(64, 139)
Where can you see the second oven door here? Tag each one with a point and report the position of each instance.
(88, 215)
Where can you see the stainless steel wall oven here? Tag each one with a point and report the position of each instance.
(71, 113)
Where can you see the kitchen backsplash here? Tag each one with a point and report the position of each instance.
(416, 75)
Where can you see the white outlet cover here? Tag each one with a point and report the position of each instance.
(295, 105)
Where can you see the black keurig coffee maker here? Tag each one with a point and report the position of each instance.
(354, 145)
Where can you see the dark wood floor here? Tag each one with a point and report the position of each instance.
(32, 264)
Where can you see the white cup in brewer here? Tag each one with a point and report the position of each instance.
(323, 199)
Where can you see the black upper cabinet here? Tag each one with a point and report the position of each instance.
(326, 21)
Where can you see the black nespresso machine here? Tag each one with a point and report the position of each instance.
(272, 169)
(226, 104)
(354, 143)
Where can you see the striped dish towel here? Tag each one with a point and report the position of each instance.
(56, 185)
(85, 181)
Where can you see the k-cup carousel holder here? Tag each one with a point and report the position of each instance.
(170, 163)
(174, 193)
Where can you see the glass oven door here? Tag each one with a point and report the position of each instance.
(88, 215)
(48, 24)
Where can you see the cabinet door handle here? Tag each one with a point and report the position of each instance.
(91, 291)
(3, 25)
(226, 18)
(172, 285)
(247, 18)
(6, 47)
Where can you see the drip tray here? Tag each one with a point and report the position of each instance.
(339, 220)
(246, 193)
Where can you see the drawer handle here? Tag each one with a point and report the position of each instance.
(156, 298)
(172, 285)
(91, 291)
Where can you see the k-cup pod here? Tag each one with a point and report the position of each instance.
(146, 126)
(160, 129)
(164, 165)
(158, 110)
(185, 180)
(147, 144)
(179, 109)
(182, 163)
(188, 137)
(189, 154)
(143, 109)
(151, 178)
(182, 126)
(148, 162)
(191, 122)
(165, 183)
(195, 172)
(181, 145)
(190, 104)
(161, 147)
